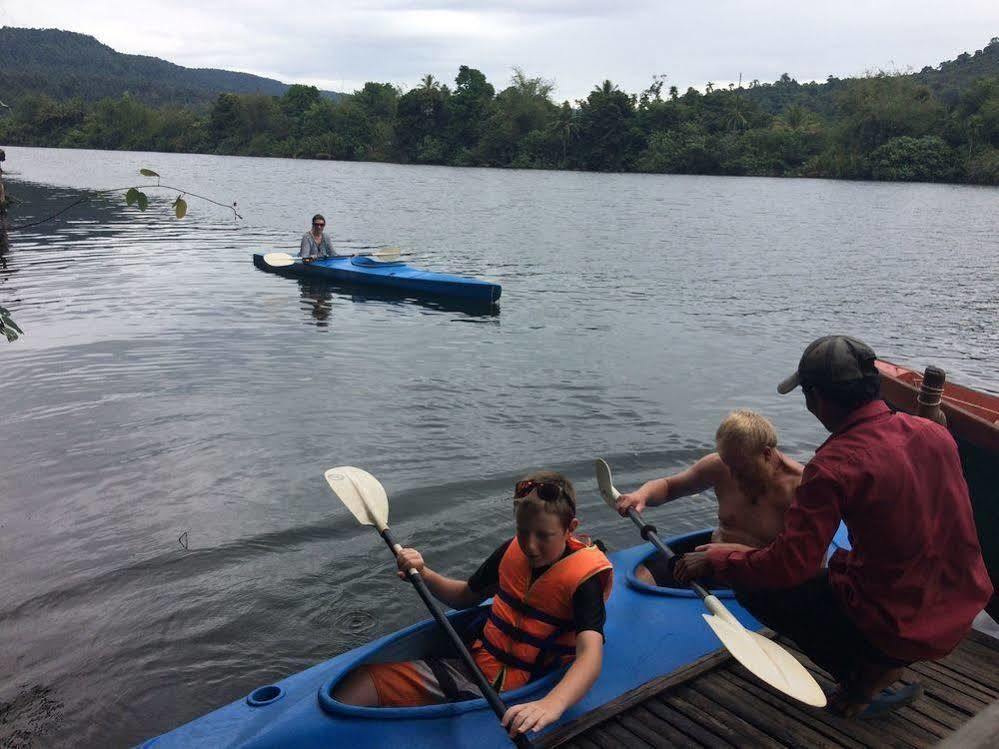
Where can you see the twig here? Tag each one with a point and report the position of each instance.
(119, 189)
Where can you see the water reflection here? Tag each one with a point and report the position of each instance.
(317, 299)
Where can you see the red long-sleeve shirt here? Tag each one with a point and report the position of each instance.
(915, 578)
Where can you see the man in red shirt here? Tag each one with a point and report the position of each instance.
(914, 579)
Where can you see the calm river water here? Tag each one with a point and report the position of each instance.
(164, 386)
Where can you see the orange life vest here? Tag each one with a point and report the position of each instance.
(530, 629)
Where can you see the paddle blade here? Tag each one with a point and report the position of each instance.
(768, 661)
(387, 255)
(279, 259)
(362, 493)
(606, 483)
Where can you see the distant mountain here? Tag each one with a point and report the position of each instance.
(64, 64)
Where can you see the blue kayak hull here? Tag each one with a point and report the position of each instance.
(649, 632)
(396, 276)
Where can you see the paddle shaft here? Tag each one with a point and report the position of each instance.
(649, 534)
(487, 690)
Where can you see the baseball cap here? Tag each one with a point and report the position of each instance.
(832, 360)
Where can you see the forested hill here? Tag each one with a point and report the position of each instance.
(64, 65)
(947, 81)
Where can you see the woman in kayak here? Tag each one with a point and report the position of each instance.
(549, 590)
(315, 244)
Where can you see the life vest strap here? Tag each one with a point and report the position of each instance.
(547, 644)
(510, 600)
(505, 658)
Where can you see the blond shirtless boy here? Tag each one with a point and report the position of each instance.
(753, 481)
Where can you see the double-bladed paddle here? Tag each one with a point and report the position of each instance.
(283, 259)
(365, 497)
(763, 657)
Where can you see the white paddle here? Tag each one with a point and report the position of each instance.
(763, 657)
(283, 259)
(365, 497)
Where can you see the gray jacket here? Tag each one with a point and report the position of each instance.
(310, 248)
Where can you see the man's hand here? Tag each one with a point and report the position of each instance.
(635, 500)
(691, 566)
(408, 559)
(726, 547)
(531, 716)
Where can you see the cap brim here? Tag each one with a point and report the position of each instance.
(789, 384)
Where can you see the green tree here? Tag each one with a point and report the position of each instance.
(469, 108)
(925, 159)
(608, 133)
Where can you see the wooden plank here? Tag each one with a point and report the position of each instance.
(622, 734)
(697, 707)
(983, 673)
(978, 733)
(846, 733)
(604, 738)
(696, 731)
(654, 731)
(964, 703)
(755, 711)
(910, 714)
(980, 638)
(960, 682)
(581, 742)
(942, 713)
(901, 730)
(631, 698)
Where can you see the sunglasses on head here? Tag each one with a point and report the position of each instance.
(546, 491)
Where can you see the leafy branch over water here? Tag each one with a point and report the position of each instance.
(134, 195)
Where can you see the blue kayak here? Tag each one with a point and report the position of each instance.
(389, 275)
(650, 631)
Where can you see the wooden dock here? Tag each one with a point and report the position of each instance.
(715, 702)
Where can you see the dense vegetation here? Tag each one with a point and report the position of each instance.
(64, 64)
(937, 125)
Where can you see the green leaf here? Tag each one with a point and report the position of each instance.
(148, 173)
(142, 201)
(8, 327)
(180, 207)
(131, 196)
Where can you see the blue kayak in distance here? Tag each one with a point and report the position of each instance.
(397, 276)
(650, 631)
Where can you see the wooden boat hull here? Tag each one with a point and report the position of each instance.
(973, 420)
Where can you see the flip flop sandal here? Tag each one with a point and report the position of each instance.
(891, 700)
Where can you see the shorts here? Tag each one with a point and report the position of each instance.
(431, 681)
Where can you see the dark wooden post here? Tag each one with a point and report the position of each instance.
(4, 242)
(930, 392)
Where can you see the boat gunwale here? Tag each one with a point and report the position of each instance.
(963, 423)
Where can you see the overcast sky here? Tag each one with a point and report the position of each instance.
(340, 45)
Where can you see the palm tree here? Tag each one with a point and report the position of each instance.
(566, 126)
(795, 117)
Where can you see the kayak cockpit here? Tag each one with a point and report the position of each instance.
(427, 640)
(680, 546)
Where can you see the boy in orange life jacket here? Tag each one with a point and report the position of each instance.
(549, 590)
